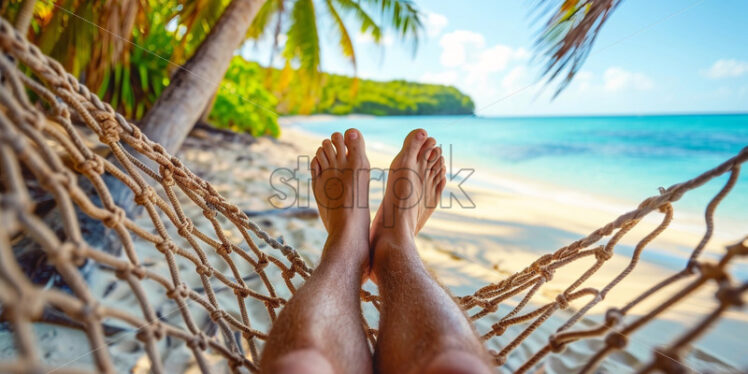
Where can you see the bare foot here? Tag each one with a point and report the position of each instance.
(340, 180)
(415, 182)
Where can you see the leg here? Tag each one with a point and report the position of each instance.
(421, 328)
(320, 330)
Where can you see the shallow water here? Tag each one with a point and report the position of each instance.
(622, 157)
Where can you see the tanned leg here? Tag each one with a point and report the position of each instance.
(421, 329)
(320, 330)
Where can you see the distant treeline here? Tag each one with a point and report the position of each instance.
(345, 95)
(250, 93)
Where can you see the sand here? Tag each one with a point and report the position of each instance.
(466, 248)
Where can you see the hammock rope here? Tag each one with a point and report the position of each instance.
(44, 148)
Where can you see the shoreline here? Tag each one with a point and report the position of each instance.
(468, 248)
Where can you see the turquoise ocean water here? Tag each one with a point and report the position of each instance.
(621, 157)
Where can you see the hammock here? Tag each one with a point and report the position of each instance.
(41, 150)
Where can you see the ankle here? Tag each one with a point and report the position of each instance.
(393, 250)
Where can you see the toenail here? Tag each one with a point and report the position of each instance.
(352, 135)
(421, 135)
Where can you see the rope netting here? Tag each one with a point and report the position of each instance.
(45, 151)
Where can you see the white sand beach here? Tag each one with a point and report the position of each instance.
(465, 248)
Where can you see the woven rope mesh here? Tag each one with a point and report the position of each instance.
(71, 168)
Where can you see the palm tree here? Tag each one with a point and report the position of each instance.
(192, 87)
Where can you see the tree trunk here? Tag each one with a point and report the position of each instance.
(180, 105)
(23, 18)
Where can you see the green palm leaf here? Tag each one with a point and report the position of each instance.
(302, 43)
(346, 45)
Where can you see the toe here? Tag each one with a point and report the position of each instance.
(355, 143)
(441, 184)
(337, 140)
(413, 142)
(437, 166)
(434, 155)
(322, 159)
(329, 151)
(426, 149)
(316, 169)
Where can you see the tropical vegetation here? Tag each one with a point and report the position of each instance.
(161, 62)
(243, 103)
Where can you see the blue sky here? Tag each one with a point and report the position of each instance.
(651, 57)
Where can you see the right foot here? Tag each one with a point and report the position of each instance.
(340, 180)
(415, 182)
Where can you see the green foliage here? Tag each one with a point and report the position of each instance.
(242, 103)
(299, 19)
(391, 98)
(342, 95)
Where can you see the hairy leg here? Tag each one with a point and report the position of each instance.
(421, 328)
(320, 329)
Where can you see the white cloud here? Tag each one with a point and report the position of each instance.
(583, 79)
(617, 79)
(727, 68)
(496, 58)
(435, 23)
(515, 79)
(455, 46)
(448, 77)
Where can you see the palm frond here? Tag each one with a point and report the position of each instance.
(403, 16)
(346, 44)
(263, 17)
(302, 43)
(568, 35)
(368, 25)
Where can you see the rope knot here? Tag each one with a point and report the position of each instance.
(210, 213)
(711, 271)
(562, 300)
(273, 303)
(490, 307)
(603, 254)
(262, 263)
(115, 218)
(146, 195)
(241, 292)
(93, 165)
(616, 340)
(224, 249)
(185, 228)
(89, 312)
(205, 270)
(198, 341)
(138, 271)
(546, 273)
(158, 330)
(468, 300)
(730, 296)
(181, 291)
(288, 273)
(167, 176)
(498, 359)
(218, 314)
(62, 254)
(109, 130)
(158, 148)
(556, 346)
(498, 328)
(613, 317)
(165, 246)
